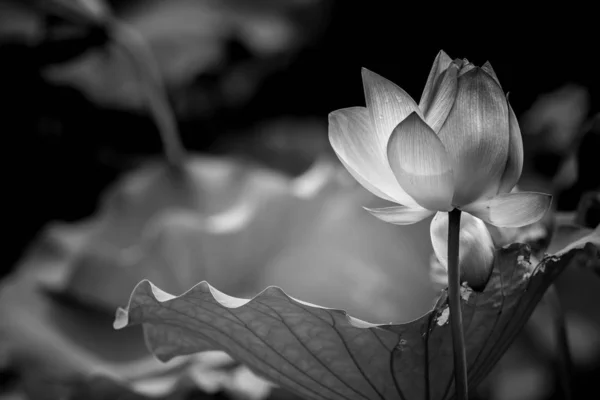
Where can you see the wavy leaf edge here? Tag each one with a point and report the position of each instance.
(145, 287)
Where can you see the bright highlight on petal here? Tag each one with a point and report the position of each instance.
(400, 215)
(514, 163)
(388, 105)
(421, 165)
(511, 210)
(354, 141)
(476, 136)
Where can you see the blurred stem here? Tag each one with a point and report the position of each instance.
(152, 83)
(458, 337)
(564, 362)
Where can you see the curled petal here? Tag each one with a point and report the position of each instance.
(400, 215)
(443, 98)
(514, 163)
(421, 164)
(354, 141)
(476, 249)
(440, 64)
(511, 210)
(388, 105)
(476, 136)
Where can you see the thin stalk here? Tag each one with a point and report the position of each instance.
(456, 324)
(564, 364)
(152, 83)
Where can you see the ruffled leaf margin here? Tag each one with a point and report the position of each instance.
(324, 353)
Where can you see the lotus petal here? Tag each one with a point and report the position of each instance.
(421, 164)
(400, 215)
(443, 98)
(440, 64)
(476, 250)
(511, 210)
(476, 136)
(388, 105)
(514, 163)
(355, 142)
(487, 67)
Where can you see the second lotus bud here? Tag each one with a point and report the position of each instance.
(476, 251)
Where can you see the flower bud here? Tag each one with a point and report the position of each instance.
(476, 249)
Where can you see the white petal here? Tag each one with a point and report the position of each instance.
(487, 67)
(514, 163)
(511, 210)
(400, 215)
(365, 183)
(476, 249)
(354, 141)
(421, 164)
(443, 96)
(476, 136)
(387, 103)
(440, 64)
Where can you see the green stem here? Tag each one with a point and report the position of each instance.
(458, 337)
(152, 84)
(564, 362)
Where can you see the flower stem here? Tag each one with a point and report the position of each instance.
(153, 86)
(458, 337)
(564, 362)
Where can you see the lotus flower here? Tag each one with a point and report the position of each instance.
(460, 147)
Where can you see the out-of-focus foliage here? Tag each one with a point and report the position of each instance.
(240, 226)
(191, 38)
(561, 139)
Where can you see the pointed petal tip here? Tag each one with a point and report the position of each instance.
(369, 77)
(441, 63)
(487, 68)
(443, 97)
(366, 73)
(444, 56)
